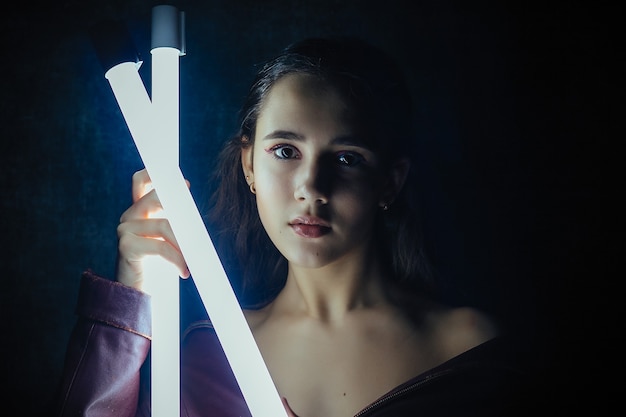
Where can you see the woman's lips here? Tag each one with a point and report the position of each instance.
(310, 227)
(310, 230)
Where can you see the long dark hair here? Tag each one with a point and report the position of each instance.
(374, 87)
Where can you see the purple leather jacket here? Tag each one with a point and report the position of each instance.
(106, 371)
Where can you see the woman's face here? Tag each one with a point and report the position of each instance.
(317, 187)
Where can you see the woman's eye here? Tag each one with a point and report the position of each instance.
(284, 152)
(349, 159)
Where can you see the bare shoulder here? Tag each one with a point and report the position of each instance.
(456, 330)
(256, 318)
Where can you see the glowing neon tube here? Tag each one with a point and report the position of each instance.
(160, 275)
(145, 122)
(158, 123)
(161, 281)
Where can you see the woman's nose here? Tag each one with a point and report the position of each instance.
(312, 183)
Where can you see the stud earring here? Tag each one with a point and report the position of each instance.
(251, 185)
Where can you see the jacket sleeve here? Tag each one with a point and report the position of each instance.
(106, 352)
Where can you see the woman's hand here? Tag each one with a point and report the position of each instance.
(141, 233)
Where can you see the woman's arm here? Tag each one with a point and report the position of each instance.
(111, 339)
(106, 351)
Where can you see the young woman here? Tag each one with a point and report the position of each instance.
(320, 237)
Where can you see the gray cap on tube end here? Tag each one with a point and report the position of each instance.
(168, 28)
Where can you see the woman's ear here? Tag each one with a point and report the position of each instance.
(395, 181)
(246, 163)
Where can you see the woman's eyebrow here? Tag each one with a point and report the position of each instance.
(284, 134)
(349, 140)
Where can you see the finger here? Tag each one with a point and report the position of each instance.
(148, 206)
(156, 209)
(149, 228)
(141, 184)
(134, 248)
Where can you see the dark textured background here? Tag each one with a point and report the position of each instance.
(514, 118)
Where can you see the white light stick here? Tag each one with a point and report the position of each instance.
(165, 348)
(146, 122)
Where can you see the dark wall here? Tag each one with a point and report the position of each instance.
(513, 114)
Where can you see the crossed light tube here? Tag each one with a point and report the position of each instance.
(154, 126)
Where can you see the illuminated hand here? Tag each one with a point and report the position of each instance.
(141, 233)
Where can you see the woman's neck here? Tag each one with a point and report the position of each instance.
(331, 292)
